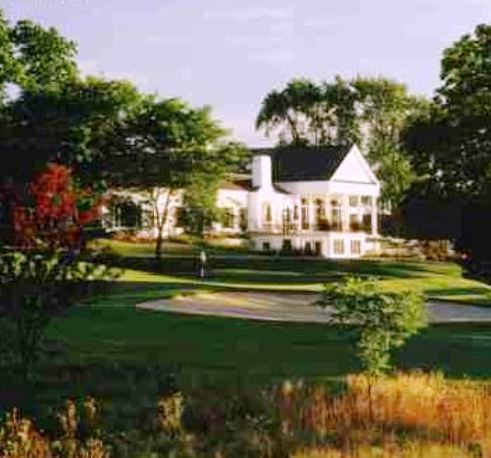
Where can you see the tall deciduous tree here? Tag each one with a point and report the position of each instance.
(450, 144)
(47, 59)
(73, 125)
(385, 108)
(166, 147)
(304, 113)
(9, 66)
(370, 111)
(55, 114)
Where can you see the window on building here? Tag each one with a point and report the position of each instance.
(267, 213)
(228, 218)
(287, 215)
(336, 215)
(266, 246)
(355, 247)
(305, 214)
(366, 201)
(128, 215)
(320, 211)
(353, 201)
(367, 222)
(318, 248)
(243, 219)
(287, 220)
(181, 216)
(287, 245)
(148, 220)
(295, 212)
(308, 248)
(338, 246)
(354, 223)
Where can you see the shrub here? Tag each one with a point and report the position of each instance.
(379, 321)
(47, 273)
(414, 415)
(79, 437)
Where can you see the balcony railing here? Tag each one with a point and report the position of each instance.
(319, 226)
(285, 228)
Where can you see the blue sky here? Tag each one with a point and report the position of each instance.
(230, 53)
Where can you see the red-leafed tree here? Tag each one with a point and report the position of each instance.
(56, 211)
(49, 269)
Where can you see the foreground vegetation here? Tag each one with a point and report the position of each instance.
(410, 415)
(127, 358)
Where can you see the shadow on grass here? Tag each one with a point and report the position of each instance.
(306, 270)
(129, 293)
(460, 291)
(127, 357)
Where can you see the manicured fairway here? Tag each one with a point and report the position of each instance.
(253, 351)
(125, 356)
(247, 271)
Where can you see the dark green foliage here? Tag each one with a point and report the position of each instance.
(450, 143)
(168, 146)
(73, 125)
(305, 113)
(9, 66)
(36, 286)
(369, 111)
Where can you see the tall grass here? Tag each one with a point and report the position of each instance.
(412, 416)
(423, 411)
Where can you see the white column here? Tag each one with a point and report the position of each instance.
(374, 216)
(298, 203)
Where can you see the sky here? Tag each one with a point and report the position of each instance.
(230, 53)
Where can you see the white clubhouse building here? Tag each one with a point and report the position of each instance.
(320, 201)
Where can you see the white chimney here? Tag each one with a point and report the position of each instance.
(261, 171)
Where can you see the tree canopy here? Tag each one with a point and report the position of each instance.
(167, 146)
(105, 131)
(305, 113)
(450, 143)
(371, 112)
(72, 125)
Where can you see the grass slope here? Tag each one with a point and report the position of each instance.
(236, 270)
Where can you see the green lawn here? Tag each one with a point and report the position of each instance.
(233, 349)
(125, 358)
(236, 270)
(124, 355)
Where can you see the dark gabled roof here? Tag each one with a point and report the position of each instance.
(305, 163)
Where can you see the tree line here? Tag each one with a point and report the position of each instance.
(436, 149)
(107, 132)
(111, 134)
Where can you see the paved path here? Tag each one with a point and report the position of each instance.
(292, 307)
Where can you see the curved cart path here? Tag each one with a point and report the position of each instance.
(291, 307)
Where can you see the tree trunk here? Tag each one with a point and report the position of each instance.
(158, 244)
(161, 219)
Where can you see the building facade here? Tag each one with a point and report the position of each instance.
(313, 201)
